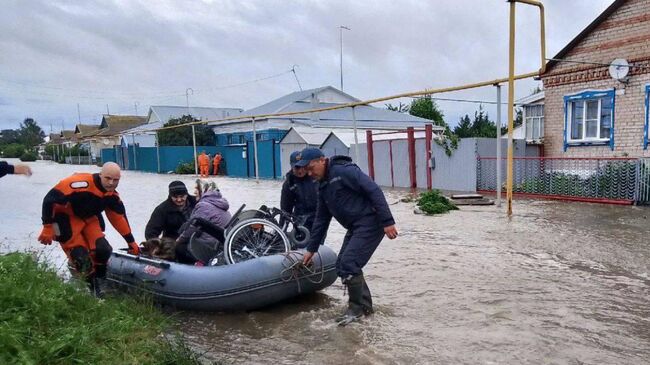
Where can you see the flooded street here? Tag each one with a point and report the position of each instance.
(562, 283)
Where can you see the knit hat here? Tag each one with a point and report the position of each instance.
(177, 188)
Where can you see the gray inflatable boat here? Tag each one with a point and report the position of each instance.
(243, 286)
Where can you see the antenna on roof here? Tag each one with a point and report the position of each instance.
(293, 69)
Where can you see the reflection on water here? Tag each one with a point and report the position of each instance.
(558, 283)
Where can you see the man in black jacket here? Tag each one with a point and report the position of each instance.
(6, 168)
(170, 215)
(299, 193)
(359, 205)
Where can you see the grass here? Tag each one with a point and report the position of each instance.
(433, 202)
(44, 320)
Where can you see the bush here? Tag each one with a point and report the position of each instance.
(13, 150)
(432, 202)
(46, 321)
(185, 168)
(29, 156)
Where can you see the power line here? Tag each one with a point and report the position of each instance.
(130, 96)
(460, 100)
(631, 65)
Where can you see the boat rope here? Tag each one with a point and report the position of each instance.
(295, 270)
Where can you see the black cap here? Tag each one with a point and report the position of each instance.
(177, 188)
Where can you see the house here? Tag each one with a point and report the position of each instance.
(145, 135)
(109, 133)
(367, 117)
(163, 113)
(594, 105)
(236, 135)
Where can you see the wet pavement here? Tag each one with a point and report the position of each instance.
(561, 283)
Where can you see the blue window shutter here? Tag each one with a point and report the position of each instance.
(612, 94)
(647, 113)
(566, 121)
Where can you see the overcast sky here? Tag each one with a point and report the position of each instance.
(57, 54)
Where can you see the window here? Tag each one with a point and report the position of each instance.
(647, 116)
(589, 119)
(242, 139)
(534, 122)
(259, 136)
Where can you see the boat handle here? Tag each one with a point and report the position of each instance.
(160, 282)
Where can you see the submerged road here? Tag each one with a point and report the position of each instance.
(564, 283)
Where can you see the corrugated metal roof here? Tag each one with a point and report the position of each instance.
(163, 113)
(149, 128)
(281, 104)
(534, 98)
(311, 136)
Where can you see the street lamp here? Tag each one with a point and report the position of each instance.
(341, 43)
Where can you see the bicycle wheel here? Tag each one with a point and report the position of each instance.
(253, 238)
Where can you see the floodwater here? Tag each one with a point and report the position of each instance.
(560, 283)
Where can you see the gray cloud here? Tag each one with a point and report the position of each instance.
(55, 54)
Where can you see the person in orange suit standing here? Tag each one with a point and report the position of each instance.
(72, 215)
(216, 162)
(204, 164)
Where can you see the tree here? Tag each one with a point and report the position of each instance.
(400, 108)
(427, 108)
(464, 127)
(482, 125)
(30, 134)
(519, 120)
(182, 136)
(9, 136)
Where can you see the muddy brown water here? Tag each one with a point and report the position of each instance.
(561, 283)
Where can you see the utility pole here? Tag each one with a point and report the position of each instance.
(78, 114)
(341, 43)
(187, 100)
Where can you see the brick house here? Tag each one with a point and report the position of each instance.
(587, 113)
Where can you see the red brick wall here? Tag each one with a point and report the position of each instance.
(625, 34)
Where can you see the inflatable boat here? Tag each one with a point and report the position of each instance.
(243, 286)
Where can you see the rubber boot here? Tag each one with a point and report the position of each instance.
(355, 301)
(94, 284)
(366, 298)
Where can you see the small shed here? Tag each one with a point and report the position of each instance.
(298, 138)
(339, 142)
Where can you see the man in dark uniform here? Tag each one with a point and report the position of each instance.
(359, 205)
(299, 193)
(170, 215)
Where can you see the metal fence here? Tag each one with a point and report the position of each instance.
(614, 180)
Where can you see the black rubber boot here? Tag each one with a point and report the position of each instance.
(95, 286)
(355, 301)
(366, 298)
